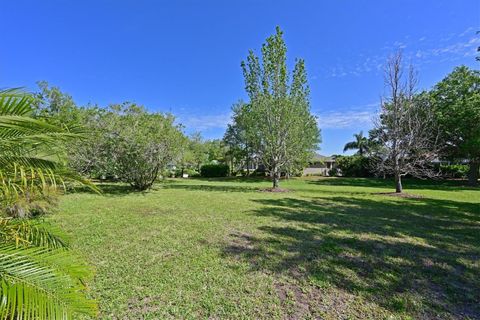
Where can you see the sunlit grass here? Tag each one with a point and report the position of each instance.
(330, 248)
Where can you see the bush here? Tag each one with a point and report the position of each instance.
(258, 173)
(333, 172)
(214, 170)
(191, 173)
(353, 166)
(458, 171)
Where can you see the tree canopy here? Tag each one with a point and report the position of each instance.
(282, 129)
(456, 101)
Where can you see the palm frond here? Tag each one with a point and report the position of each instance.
(39, 277)
(15, 101)
(29, 233)
(350, 146)
(32, 288)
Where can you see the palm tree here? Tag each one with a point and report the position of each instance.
(360, 143)
(40, 278)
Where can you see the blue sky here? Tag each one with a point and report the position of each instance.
(184, 56)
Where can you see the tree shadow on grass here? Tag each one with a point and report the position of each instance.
(215, 188)
(235, 179)
(446, 185)
(418, 256)
(111, 189)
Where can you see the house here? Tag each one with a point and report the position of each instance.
(319, 165)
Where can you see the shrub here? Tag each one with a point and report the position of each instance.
(258, 173)
(214, 170)
(191, 173)
(354, 166)
(454, 170)
(333, 172)
(131, 144)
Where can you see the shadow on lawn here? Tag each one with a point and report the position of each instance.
(113, 189)
(447, 185)
(206, 187)
(242, 179)
(416, 255)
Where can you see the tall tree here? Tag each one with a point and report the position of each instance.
(457, 107)
(283, 129)
(406, 130)
(360, 144)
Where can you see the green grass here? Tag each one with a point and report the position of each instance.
(331, 248)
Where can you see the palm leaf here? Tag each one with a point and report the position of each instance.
(39, 278)
(27, 233)
(33, 288)
(15, 102)
(30, 150)
(350, 146)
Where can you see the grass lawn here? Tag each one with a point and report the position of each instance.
(332, 248)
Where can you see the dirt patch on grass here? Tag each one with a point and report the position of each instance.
(240, 242)
(143, 305)
(400, 195)
(303, 301)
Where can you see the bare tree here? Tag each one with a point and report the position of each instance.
(406, 127)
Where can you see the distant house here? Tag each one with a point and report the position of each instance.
(319, 165)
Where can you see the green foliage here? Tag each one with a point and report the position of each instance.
(214, 170)
(123, 142)
(361, 144)
(238, 137)
(456, 100)
(39, 277)
(32, 156)
(193, 152)
(143, 143)
(281, 128)
(129, 144)
(454, 170)
(215, 150)
(333, 172)
(191, 173)
(353, 166)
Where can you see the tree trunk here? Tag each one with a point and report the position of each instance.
(275, 177)
(248, 165)
(473, 173)
(398, 183)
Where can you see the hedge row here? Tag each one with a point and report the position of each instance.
(214, 170)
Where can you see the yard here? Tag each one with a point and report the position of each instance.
(331, 248)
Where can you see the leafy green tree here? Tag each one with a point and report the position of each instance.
(198, 149)
(353, 166)
(237, 136)
(40, 278)
(143, 144)
(284, 131)
(215, 150)
(56, 106)
(361, 144)
(89, 156)
(457, 105)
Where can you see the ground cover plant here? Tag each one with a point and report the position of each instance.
(332, 248)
